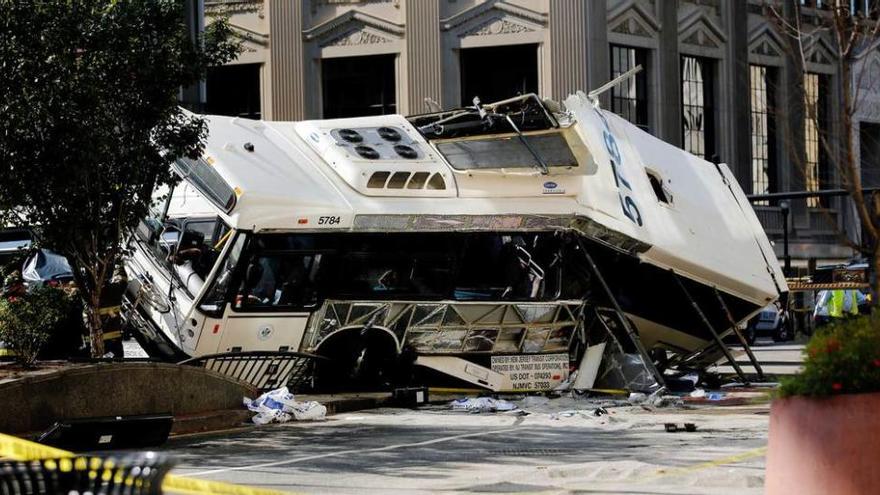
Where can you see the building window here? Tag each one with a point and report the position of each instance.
(763, 127)
(698, 120)
(233, 90)
(358, 86)
(819, 4)
(815, 171)
(869, 153)
(498, 72)
(629, 98)
(866, 8)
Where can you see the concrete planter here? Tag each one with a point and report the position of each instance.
(33, 403)
(824, 445)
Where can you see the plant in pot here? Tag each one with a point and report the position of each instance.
(824, 428)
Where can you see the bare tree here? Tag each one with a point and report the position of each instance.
(854, 35)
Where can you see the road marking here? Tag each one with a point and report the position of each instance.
(354, 451)
(731, 459)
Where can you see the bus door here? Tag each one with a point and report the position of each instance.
(271, 308)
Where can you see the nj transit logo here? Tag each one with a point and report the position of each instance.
(624, 190)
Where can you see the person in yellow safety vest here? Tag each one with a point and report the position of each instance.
(842, 303)
(111, 319)
(836, 304)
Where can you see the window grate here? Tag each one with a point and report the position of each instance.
(629, 98)
(762, 130)
(815, 173)
(698, 136)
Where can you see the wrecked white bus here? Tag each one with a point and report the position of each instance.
(494, 245)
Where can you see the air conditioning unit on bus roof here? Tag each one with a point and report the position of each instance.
(379, 156)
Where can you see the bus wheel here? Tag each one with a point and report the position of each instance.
(357, 362)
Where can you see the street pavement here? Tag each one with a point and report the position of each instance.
(436, 450)
(560, 447)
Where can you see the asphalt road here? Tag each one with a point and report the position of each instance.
(440, 451)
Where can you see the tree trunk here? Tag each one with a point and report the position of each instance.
(96, 329)
(874, 277)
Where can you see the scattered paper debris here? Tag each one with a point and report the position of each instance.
(279, 406)
(481, 405)
(588, 413)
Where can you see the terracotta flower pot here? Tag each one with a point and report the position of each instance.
(824, 445)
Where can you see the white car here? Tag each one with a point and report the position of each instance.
(771, 321)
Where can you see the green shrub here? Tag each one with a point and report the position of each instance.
(27, 321)
(843, 358)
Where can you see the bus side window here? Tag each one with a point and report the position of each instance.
(280, 281)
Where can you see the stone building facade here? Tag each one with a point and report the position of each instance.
(718, 79)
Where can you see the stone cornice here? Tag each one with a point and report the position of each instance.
(697, 28)
(630, 8)
(338, 27)
(472, 13)
(764, 40)
(233, 7)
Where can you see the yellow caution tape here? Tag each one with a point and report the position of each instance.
(109, 310)
(23, 450)
(193, 486)
(611, 391)
(112, 335)
(455, 390)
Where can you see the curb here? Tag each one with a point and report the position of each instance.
(345, 402)
(207, 422)
(239, 420)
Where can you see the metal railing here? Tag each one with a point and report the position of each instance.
(265, 370)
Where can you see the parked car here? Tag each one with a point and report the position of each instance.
(771, 321)
(44, 266)
(14, 246)
(23, 267)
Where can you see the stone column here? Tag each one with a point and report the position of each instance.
(578, 47)
(735, 133)
(569, 32)
(669, 92)
(598, 51)
(423, 66)
(791, 132)
(286, 61)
